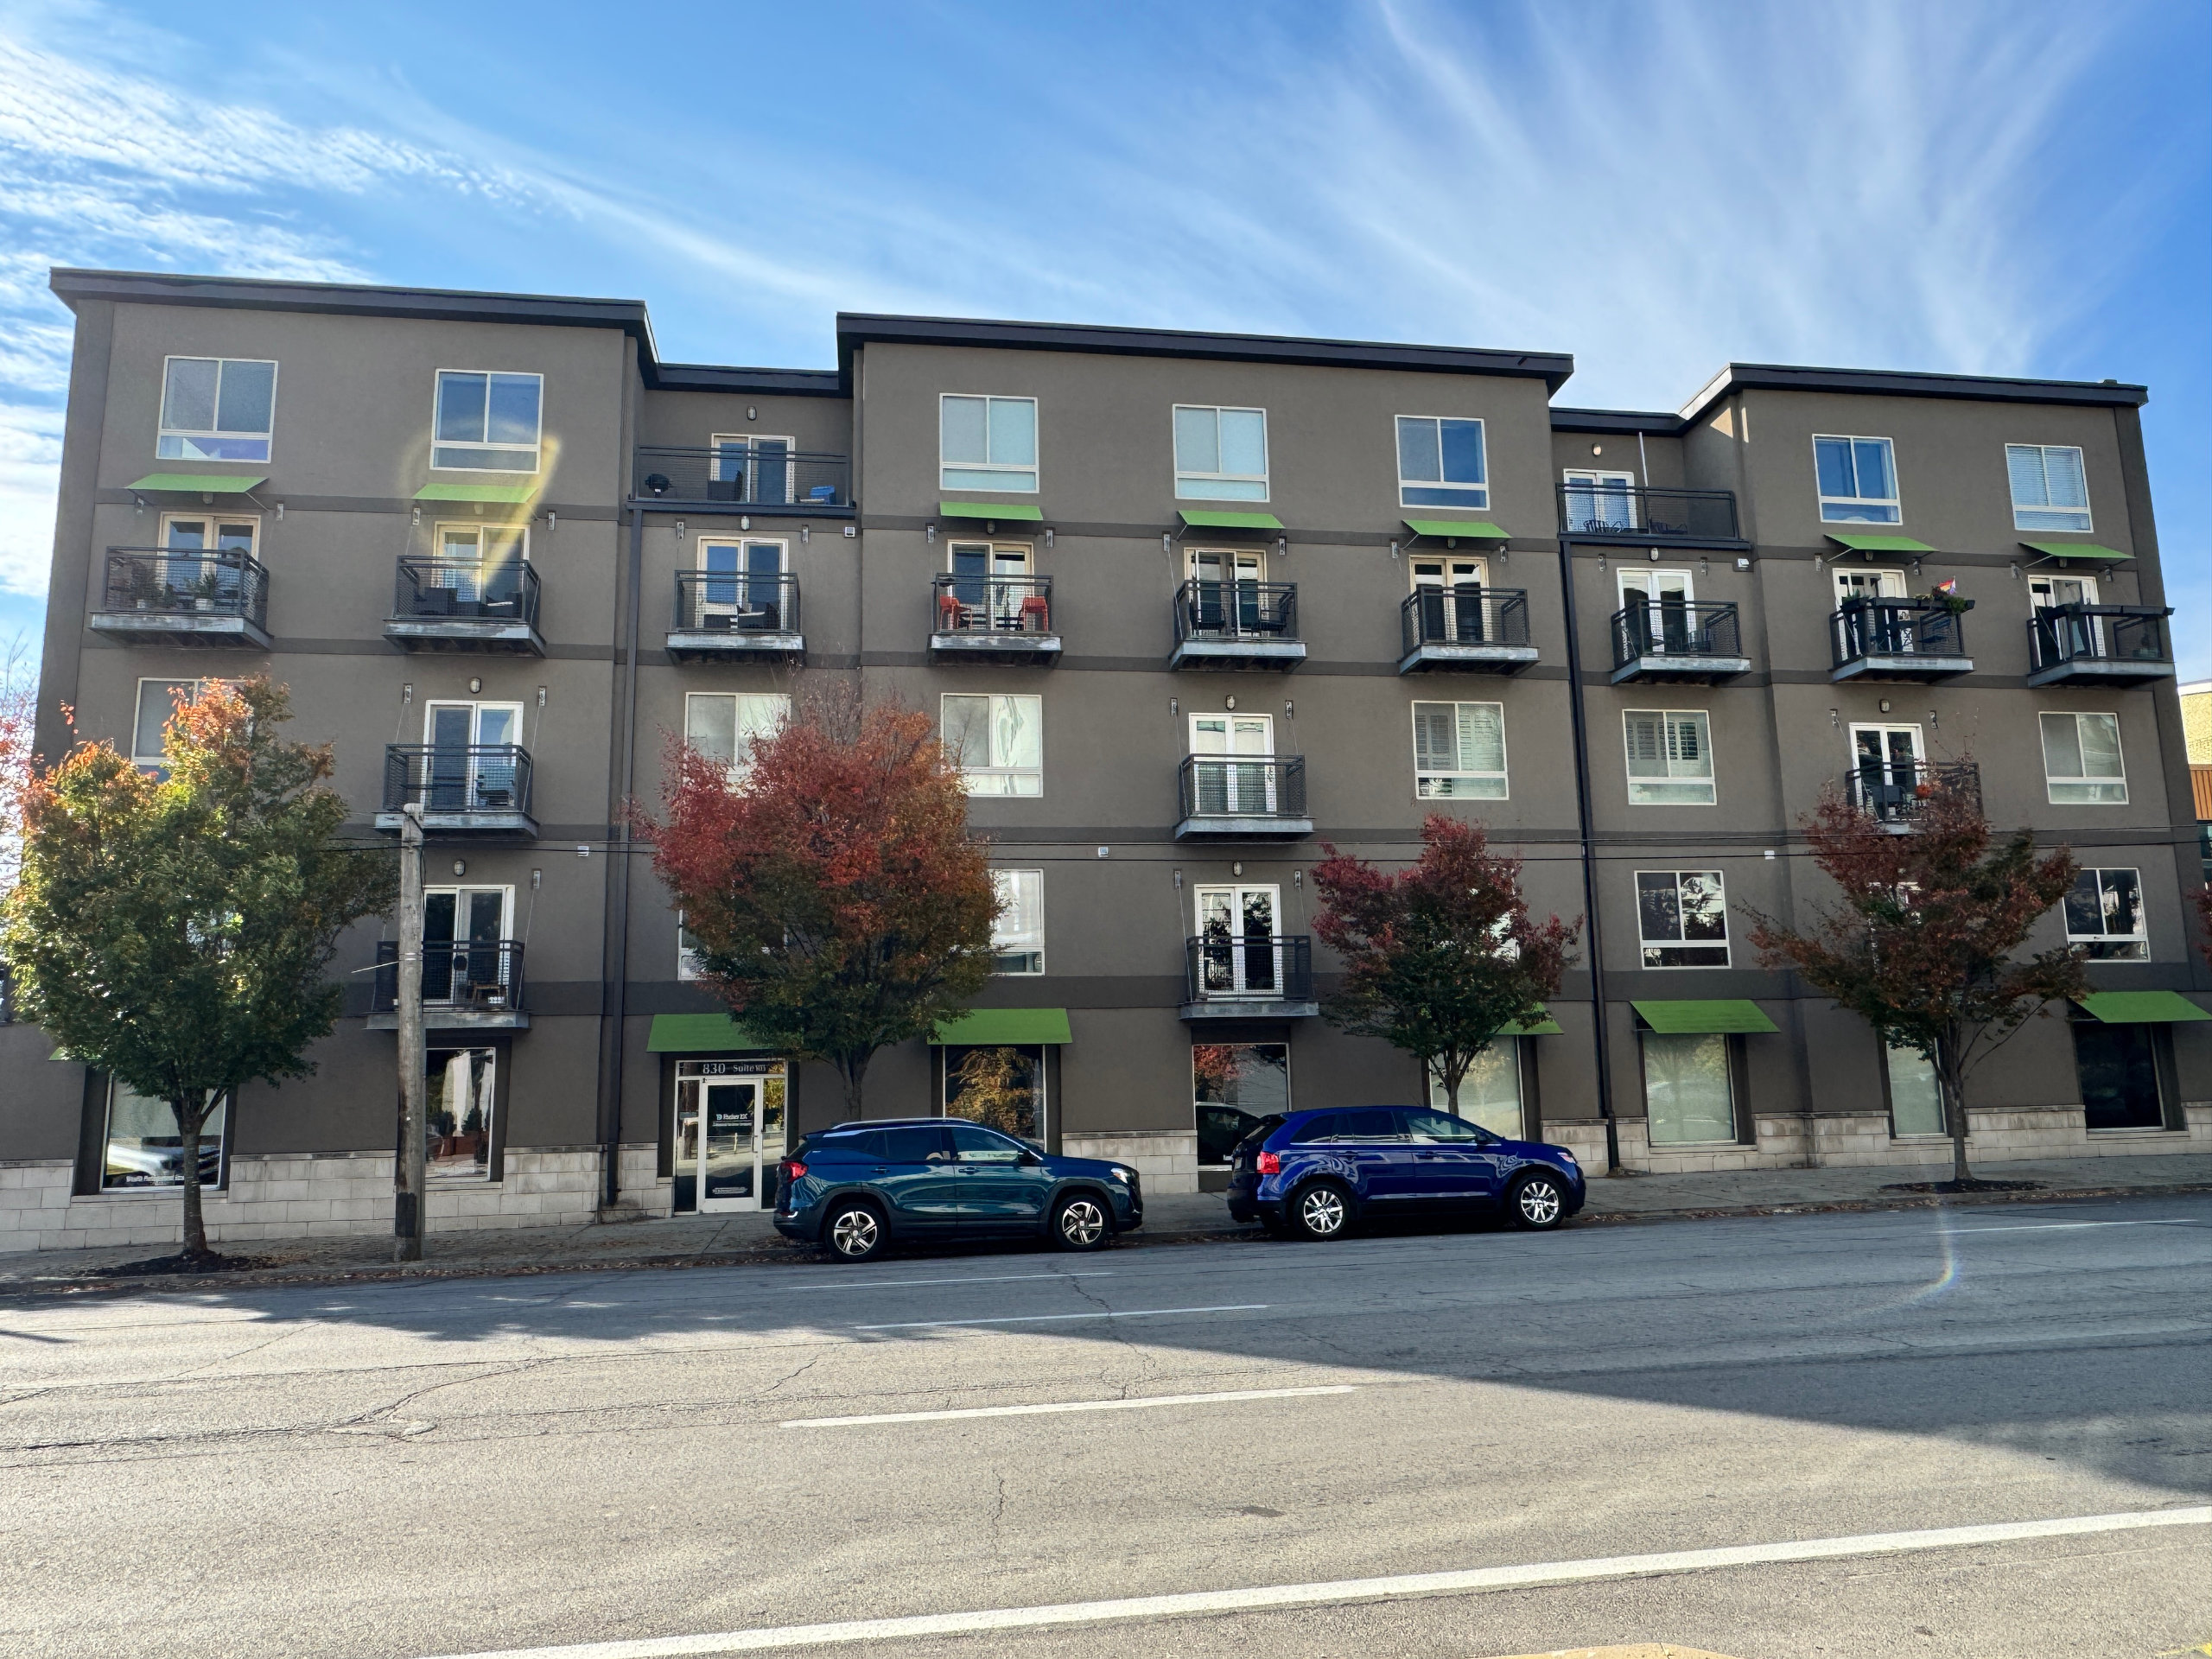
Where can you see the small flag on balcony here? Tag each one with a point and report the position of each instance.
(1947, 588)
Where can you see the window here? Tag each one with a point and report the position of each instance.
(157, 702)
(1858, 481)
(2118, 1067)
(2050, 489)
(1221, 454)
(1001, 1088)
(1233, 1086)
(1683, 918)
(2081, 761)
(987, 444)
(216, 408)
(1600, 502)
(1669, 757)
(458, 1110)
(1916, 1097)
(722, 725)
(142, 1147)
(467, 957)
(997, 741)
(1490, 1092)
(488, 423)
(751, 467)
(1018, 934)
(1459, 751)
(2104, 915)
(688, 964)
(1686, 1090)
(1440, 463)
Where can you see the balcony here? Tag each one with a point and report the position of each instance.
(1678, 643)
(731, 618)
(1648, 517)
(1248, 976)
(1226, 799)
(1467, 629)
(468, 985)
(2100, 645)
(482, 789)
(993, 620)
(1894, 792)
(1919, 639)
(741, 477)
(165, 596)
(465, 605)
(1231, 625)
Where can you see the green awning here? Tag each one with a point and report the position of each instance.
(1006, 1027)
(1542, 1025)
(511, 495)
(200, 483)
(1724, 1014)
(1467, 529)
(700, 1033)
(1880, 544)
(1229, 520)
(2079, 550)
(1012, 512)
(2141, 1007)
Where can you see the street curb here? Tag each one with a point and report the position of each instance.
(799, 1255)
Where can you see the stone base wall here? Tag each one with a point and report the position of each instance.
(1167, 1159)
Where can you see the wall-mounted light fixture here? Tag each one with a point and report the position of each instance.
(541, 696)
(1597, 448)
(1655, 556)
(406, 694)
(583, 850)
(744, 522)
(1743, 562)
(536, 877)
(751, 413)
(474, 686)
(1102, 851)
(1298, 878)
(552, 519)
(1229, 703)
(1237, 870)
(1179, 880)
(417, 520)
(1835, 720)
(461, 866)
(1289, 709)
(1883, 705)
(805, 534)
(930, 535)
(280, 513)
(1048, 537)
(1174, 706)
(851, 530)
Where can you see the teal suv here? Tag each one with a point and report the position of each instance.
(858, 1188)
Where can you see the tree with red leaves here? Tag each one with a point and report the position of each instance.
(839, 903)
(1921, 942)
(1441, 957)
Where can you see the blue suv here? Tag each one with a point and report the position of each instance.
(854, 1189)
(1312, 1174)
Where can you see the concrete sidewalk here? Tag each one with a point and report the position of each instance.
(1169, 1219)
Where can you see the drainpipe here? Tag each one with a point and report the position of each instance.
(1589, 856)
(618, 876)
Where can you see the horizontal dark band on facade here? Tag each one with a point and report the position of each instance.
(393, 506)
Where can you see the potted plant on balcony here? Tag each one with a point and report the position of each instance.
(142, 589)
(1948, 598)
(206, 591)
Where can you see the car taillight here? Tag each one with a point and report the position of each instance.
(793, 1169)
(1270, 1164)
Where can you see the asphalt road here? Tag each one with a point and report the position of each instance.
(452, 1467)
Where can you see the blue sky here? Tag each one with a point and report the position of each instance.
(2002, 188)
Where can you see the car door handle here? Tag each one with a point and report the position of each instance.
(883, 1169)
(1426, 1157)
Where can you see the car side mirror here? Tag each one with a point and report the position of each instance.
(1032, 1159)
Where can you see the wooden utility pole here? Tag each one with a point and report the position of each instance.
(411, 1202)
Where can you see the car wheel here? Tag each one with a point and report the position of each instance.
(1537, 1202)
(1082, 1222)
(854, 1232)
(1320, 1211)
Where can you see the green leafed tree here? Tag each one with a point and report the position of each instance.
(173, 931)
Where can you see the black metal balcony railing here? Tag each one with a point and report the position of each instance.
(477, 590)
(480, 778)
(1896, 628)
(767, 478)
(1465, 615)
(1260, 786)
(1894, 792)
(1261, 612)
(222, 582)
(990, 604)
(481, 974)
(1222, 966)
(1643, 515)
(710, 601)
(2111, 633)
(1676, 628)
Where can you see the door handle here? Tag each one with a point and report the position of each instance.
(1425, 1157)
(883, 1169)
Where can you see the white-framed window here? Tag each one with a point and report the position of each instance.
(467, 959)
(2104, 915)
(1599, 501)
(997, 741)
(486, 421)
(1681, 919)
(157, 703)
(1221, 454)
(1490, 1092)
(1669, 757)
(986, 443)
(1915, 1096)
(2082, 763)
(1441, 462)
(1459, 751)
(1858, 480)
(688, 964)
(2050, 489)
(751, 467)
(217, 409)
(141, 1147)
(722, 725)
(459, 1105)
(1018, 934)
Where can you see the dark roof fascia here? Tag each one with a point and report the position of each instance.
(856, 330)
(1885, 382)
(780, 383)
(1654, 423)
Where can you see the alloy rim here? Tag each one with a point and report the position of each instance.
(853, 1233)
(1539, 1202)
(1082, 1223)
(1323, 1212)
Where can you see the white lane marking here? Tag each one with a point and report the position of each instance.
(996, 1279)
(1055, 1319)
(2074, 1226)
(1307, 1595)
(1139, 1404)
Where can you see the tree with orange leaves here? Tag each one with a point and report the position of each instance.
(838, 902)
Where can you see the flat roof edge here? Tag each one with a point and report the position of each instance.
(1895, 382)
(710, 377)
(1655, 422)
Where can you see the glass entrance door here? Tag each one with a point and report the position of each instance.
(2070, 636)
(728, 1135)
(1225, 785)
(1655, 609)
(1887, 760)
(1237, 950)
(1450, 598)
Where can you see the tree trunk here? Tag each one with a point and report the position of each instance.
(852, 1068)
(1955, 1104)
(191, 1117)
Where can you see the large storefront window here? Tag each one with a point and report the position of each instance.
(459, 1104)
(1002, 1088)
(144, 1150)
(2118, 1070)
(1490, 1092)
(1685, 1088)
(1915, 1098)
(1234, 1086)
